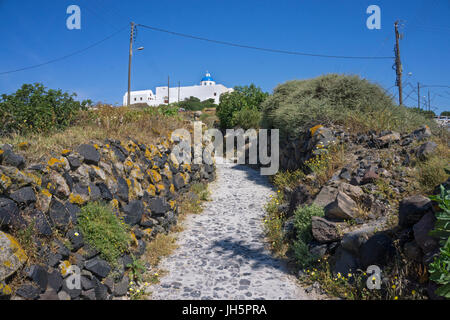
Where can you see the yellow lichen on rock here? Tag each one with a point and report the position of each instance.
(12, 256)
(314, 129)
(64, 267)
(160, 188)
(23, 145)
(76, 199)
(5, 182)
(154, 175)
(151, 190)
(115, 203)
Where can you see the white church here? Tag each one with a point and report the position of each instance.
(208, 89)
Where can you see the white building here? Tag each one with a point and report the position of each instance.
(208, 89)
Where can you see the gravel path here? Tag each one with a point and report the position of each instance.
(221, 252)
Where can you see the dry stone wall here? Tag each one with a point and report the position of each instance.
(142, 184)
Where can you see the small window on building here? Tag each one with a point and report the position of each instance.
(134, 99)
(141, 98)
(215, 94)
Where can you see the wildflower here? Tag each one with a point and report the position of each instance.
(137, 291)
(349, 275)
(131, 283)
(76, 234)
(156, 273)
(413, 292)
(339, 275)
(395, 298)
(394, 286)
(146, 284)
(312, 273)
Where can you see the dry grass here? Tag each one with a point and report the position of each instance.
(122, 123)
(431, 172)
(161, 246)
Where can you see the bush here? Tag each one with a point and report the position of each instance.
(302, 225)
(290, 179)
(103, 230)
(440, 267)
(34, 109)
(194, 104)
(432, 172)
(247, 118)
(341, 99)
(247, 97)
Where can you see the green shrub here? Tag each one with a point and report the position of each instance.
(247, 97)
(32, 108)
(341, 99)
(440, 267)
(103, 230)
(431, 172)
(246, 118)
(302, 225)
(194, 104)
(287, 178)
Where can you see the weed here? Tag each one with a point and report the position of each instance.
(102, 229)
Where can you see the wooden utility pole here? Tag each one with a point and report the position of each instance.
(398, 65)
(429, 101)
(168, 90)
(418, 95)
(129, 63)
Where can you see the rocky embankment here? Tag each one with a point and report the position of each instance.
(140, 182)
(371, 213)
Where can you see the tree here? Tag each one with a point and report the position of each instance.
(34, 108)
(194, 104)
(445, 113)
(243, 97)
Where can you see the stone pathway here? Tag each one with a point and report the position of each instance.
(222, 253)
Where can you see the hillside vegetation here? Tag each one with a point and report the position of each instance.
(339, 99)
(43, 122)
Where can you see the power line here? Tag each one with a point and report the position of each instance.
(434, 86)
(257, 48)
(66, 56)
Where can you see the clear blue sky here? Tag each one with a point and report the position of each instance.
(34, 32)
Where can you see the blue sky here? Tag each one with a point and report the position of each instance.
(34, 32)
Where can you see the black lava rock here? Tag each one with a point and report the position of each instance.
(8, 210)
(159, 206)
(89, 153)
(133, 212)
(24, 196)
(99, 267)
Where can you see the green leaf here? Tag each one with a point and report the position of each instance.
(443, 291)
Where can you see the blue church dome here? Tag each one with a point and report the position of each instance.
(207, 77)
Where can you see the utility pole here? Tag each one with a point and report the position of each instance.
(168, 90)
(418, 95)
(129, 63)
(178, 91)
(398, 65)
(429, 102)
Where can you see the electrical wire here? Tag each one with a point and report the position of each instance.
(258, 48)
(66, 56)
